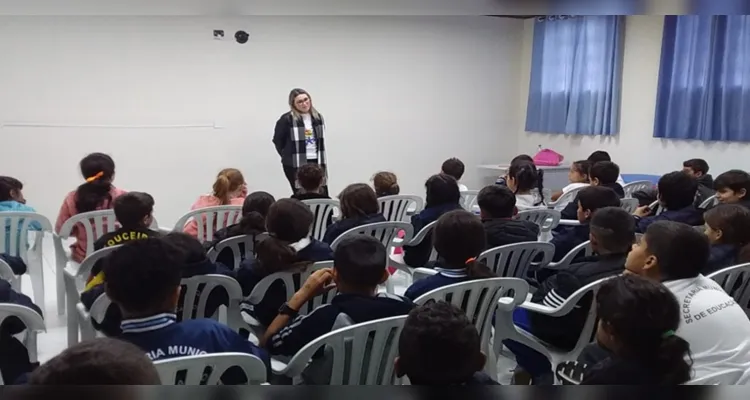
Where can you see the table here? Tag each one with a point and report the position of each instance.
(555, 178)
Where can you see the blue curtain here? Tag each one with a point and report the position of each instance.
(576, 70)
(704, 79)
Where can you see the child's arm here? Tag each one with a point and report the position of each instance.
(64, 215)
(556, 195)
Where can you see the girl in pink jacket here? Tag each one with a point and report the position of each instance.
(229, 189)
(97, 193)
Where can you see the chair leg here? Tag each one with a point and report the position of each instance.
(72, 319)
(36, 273)
(60, 280)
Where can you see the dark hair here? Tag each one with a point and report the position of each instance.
(582, 167)
(254, 211)
(593, 198)
(439, 346)
(386, 184)
(441, 189)
(521, 158)
(459, 238)
(360, 261)
(599, 156)
(191, 251)
(606, 172)
(8, 185)
(677, 190)
(527, 178)
(132, 208)
(681, 251)
(697, 165)
(142, 275)
(734, 222)
(102, 361)
(734, 180)
(358, 200)
(497, 201)
(310, 176)
(288, 221)
(98, 170)
(453, 167)
(642, 316)
(613, 228)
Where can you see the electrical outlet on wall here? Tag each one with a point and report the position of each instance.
(218, 34)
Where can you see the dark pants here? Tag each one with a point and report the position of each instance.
(291, 176)
(535, 363)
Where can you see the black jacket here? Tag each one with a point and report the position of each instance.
(705, 189)
(502, 231)
(571, 210)
(564, 331)
(568, 237)
(340, 227)
(16, 264)
(689, 215)
(310, 196)
(722, 256)
(225, 258)
(288, 147)
(417, 256)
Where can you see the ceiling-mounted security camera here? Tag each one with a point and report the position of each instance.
(241, 37)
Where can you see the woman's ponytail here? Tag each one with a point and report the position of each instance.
(221, 189)
(673, 361)
(274, 255)
(540, 186)
(98, 170)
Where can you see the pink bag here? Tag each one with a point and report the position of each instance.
(548, 158)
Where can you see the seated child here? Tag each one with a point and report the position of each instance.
(253, 222)
(143, 280)
(101, 361)
(732, 187)
(521, 158)
(637, 322)
(497, 206)
(677, 197)
(229, 189)
(601, 155)
(604, 174)
(359, 267)
(442, 196)
(590, 199)
(311, 179)
(698, 169)
(385, 184)
(288, 248)
(359, 206)
(97, 193)
(459, 238)
(728, 230)
(522, 179)
(14, 362)
(612, 234)
(455, 168)
(11, 199)
(578, 175)
(440, 346)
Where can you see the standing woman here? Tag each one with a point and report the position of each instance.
(299, 137)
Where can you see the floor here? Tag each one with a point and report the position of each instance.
(54, 340)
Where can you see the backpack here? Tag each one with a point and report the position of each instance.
(548, 158)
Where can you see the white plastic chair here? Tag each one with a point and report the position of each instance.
(34, 324)
(632, 187)
(394, 208)
(207, 369)
(323, 211)
(479, 300)
(6, 274)
(210, 220)
(18, 224)
(629, 205)
(362, 354)
(566, 198)
(469, 199)
(546, 219)
(514, 260)
(709, 202)
(96, 224)
(97, 313)
(233, 243)
(196, 298)
(736, 282)
(557, 355)
(583, 249)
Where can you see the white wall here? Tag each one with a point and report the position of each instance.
(398, 93)
(634, 149)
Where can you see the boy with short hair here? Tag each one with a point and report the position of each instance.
(733, 187)
(143, 280)
(677, 197)
(698, 169)
(440, 346)
(497, 206)
(601, 155)
(455, 168)
(11, 199)
(589, 199)
(311, 181)
(603, 173)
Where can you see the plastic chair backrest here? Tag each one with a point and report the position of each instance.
(197, 290)
(566, 198)
(95, 223)
(709, 202)
(14, 232)
(233, 243)
(6, 274)
(587, 333)
(546, 219)
(514, 260)
(293, 281)
(207, 369)
(210, 219)
(629, 205)
(34, 323)
(469, 199)
(736, 282)
(362, 354)
(394, 208)
(323, 210)
(632, 187)
(385, 232)
(582, 249)
(420, 237)
(99, 308)
(84, 270)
